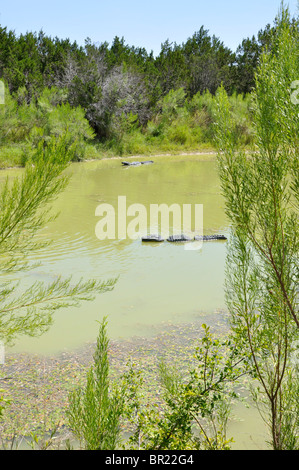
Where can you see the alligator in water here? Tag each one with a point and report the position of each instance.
(152, 238)
(179, 238)
(210, 237)
(148, 162)
(182, 238)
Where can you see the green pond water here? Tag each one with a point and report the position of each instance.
(159, 284)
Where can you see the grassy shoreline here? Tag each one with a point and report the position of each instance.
(10, 164)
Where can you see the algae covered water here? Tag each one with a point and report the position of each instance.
(157, 283)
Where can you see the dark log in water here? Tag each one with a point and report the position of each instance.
(148, 162)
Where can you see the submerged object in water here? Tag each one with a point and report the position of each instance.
(148, 162)
(210, 237)
(182, 238)
(179, 238)
(152, 238)
(131, 163)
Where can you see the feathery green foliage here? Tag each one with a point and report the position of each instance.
(261, 192)
(23, 125)
(193, 413)
(194, 409)
(95, 411)
(24, 209)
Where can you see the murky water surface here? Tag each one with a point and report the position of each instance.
(157, 283)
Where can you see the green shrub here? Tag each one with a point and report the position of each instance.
(12, 155)
(180, 134)
(44, 118)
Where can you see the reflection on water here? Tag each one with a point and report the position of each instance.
(157, 283)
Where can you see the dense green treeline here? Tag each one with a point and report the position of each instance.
(201, 63)
(121, 98)
(178, 124)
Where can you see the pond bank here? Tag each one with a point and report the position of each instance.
(118, 157)
(38, 385)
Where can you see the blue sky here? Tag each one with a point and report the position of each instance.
(141, 23)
